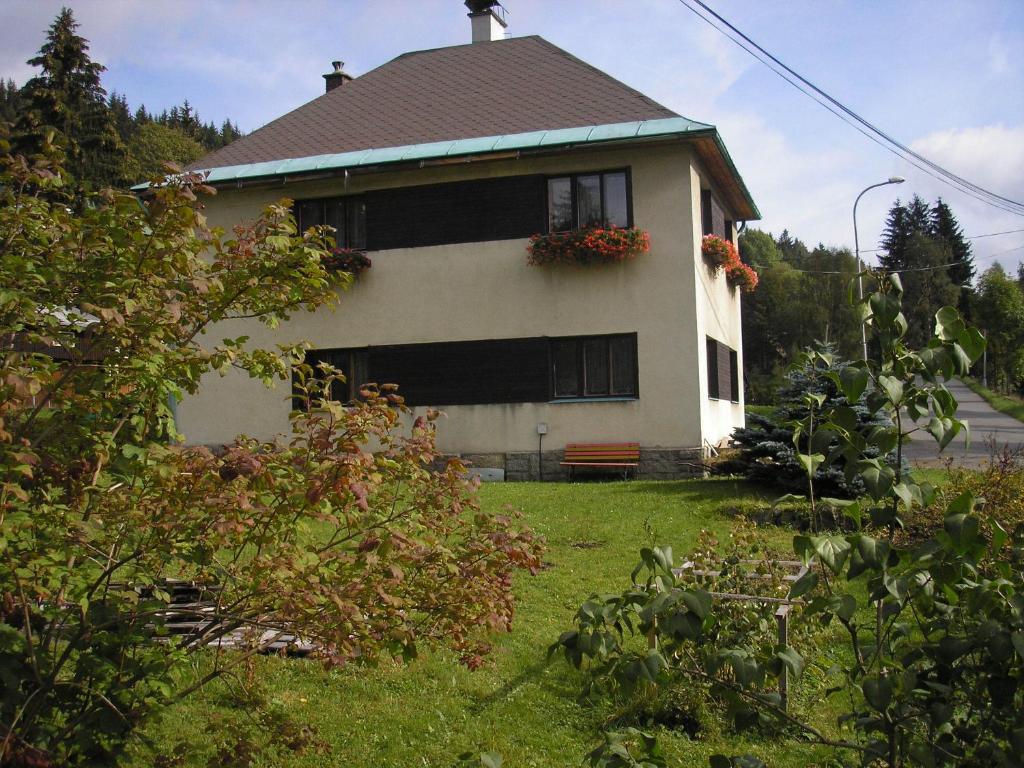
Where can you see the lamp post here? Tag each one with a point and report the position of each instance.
(856, 246)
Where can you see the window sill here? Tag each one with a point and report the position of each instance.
(723, 400)
(612, 399)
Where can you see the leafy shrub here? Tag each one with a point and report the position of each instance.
(108, 313)
(767, 453)
(998, 485)
(931, 668)
(694, 648)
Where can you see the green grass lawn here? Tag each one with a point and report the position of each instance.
(427, 712)
(1011, 405)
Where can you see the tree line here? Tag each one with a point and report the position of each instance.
(105, 142)
(801, 299)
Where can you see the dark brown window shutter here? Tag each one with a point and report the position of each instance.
(712, 362)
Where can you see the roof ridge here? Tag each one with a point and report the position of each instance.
(459, 45)
(602, 73)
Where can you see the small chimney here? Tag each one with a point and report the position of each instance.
(488, 20)
(337, 78)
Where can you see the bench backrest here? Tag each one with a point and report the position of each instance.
(602, 452)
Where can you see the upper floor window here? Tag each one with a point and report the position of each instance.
(346, 214)
(589, 200)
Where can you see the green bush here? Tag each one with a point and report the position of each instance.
(931, 667)
(766, 452)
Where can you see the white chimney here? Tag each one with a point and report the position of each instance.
(488, 20)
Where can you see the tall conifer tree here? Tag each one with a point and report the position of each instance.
(67, 96)
(946, 230)
(894, 237)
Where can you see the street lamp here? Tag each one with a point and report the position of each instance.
(856, 246)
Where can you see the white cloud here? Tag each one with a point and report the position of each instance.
(991, 156)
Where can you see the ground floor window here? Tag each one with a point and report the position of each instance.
(537, 369)
(594, 366)
(723, 371)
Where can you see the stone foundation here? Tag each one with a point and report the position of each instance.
(655, 464)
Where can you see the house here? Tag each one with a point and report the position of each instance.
(441, 164)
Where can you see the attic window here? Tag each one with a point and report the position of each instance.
(589, 200)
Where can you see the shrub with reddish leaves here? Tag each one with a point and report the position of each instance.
(593, 245)
(346, 536)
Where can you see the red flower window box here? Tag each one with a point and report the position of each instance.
(349, 260)
(593, 245)
(722, 254)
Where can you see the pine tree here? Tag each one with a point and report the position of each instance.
(926, 286)
(228, 133)
(122, 116)
(188, 121)
(10, 101)
(67, 96)
(894, 237)
(793, 250)
(946, 229)
(919, 215)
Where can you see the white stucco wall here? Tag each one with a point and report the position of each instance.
(719, 316)
(488, 291)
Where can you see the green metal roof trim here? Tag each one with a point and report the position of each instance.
(739, 179)
(592, 134)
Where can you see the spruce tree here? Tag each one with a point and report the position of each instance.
(793, 250)
(10, 101)
(124, 123)
(919, 215)
(228, 133)
(67, 97)
(946, 229)
(926, 286)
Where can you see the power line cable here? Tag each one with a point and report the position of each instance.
(906, 269)
(966, 237)
(850, 117)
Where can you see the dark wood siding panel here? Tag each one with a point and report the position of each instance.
(724, 377)
(734, 376)
(713, 221)
(465, 373)
(718, 219)
(459, 212)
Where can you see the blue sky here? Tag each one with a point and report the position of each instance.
(945, 77)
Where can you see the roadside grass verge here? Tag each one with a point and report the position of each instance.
(1011, 405)
(429, 711)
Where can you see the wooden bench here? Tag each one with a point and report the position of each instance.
(624, 456)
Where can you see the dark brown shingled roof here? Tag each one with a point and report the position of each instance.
(483, 89)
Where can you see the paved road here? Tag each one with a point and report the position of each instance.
(988, 428)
